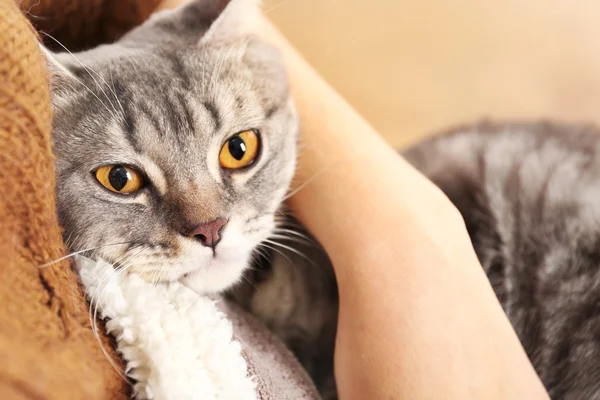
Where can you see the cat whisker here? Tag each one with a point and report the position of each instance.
(67, 241)
(293, 232)
(155, 277)
(106, 276)
(87, 69)
(93, 322)
(80, 252)
(159, 274)
(250, 282)
(164, 272)
(289, 221)
(253, 269)
(291, 249)
(276, 6)
(279, 252)
(291, 239)
(93, 316)
(303, 185)
(257, 255)
(258, 251)
(154, 274)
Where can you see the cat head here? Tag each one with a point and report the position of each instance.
(174, 146)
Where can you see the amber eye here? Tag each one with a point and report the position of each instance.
(240, 150)
(119, 178)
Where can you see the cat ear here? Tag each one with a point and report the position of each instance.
(196, 21)
(61, 79)
(53, 64)
(236, 18)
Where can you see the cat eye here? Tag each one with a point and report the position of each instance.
(240, 150)
(119, 178)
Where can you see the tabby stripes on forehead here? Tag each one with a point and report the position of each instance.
(129, 120)
(270, 111)
(214, 113)
(188, 114)
(152, 118)
(179, 71)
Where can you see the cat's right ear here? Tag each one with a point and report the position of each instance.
(61, 79)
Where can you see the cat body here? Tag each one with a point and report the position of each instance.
(530, 197)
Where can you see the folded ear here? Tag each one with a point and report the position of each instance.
(61, 79)
(197, 21)
(236, 19)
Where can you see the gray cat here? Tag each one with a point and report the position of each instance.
(175, 146)
(530, 197)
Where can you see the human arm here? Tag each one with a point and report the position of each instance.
(418, 317)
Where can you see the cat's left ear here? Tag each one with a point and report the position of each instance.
(195, 21)
(237, 18)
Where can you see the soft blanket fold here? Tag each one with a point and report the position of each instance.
(180, 345)
(177, 345)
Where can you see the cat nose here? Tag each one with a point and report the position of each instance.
(209, 234)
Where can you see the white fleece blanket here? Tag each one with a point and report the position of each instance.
(176, 343)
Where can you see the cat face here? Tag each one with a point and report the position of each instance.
(175, 146)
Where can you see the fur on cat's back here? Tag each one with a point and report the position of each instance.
(530, 197)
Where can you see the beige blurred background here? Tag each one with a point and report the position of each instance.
(414, 67)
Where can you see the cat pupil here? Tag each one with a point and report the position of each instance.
(118, 177)
(237, 147)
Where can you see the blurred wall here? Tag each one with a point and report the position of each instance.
(413, 67)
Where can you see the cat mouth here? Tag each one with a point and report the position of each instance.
(214, 265)
(219, 268)
(216, 275)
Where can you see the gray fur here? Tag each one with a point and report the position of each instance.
(164, 99)
(530, 197)
(292, 290)
(529, 194)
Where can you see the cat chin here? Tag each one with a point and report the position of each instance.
(216, 277)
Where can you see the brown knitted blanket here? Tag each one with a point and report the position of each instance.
(47, 348)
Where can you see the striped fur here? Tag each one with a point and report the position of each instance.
(530, 197)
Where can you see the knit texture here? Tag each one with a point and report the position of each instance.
(47, 349)
(80, 24)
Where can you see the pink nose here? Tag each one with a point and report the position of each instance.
(209, 234)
